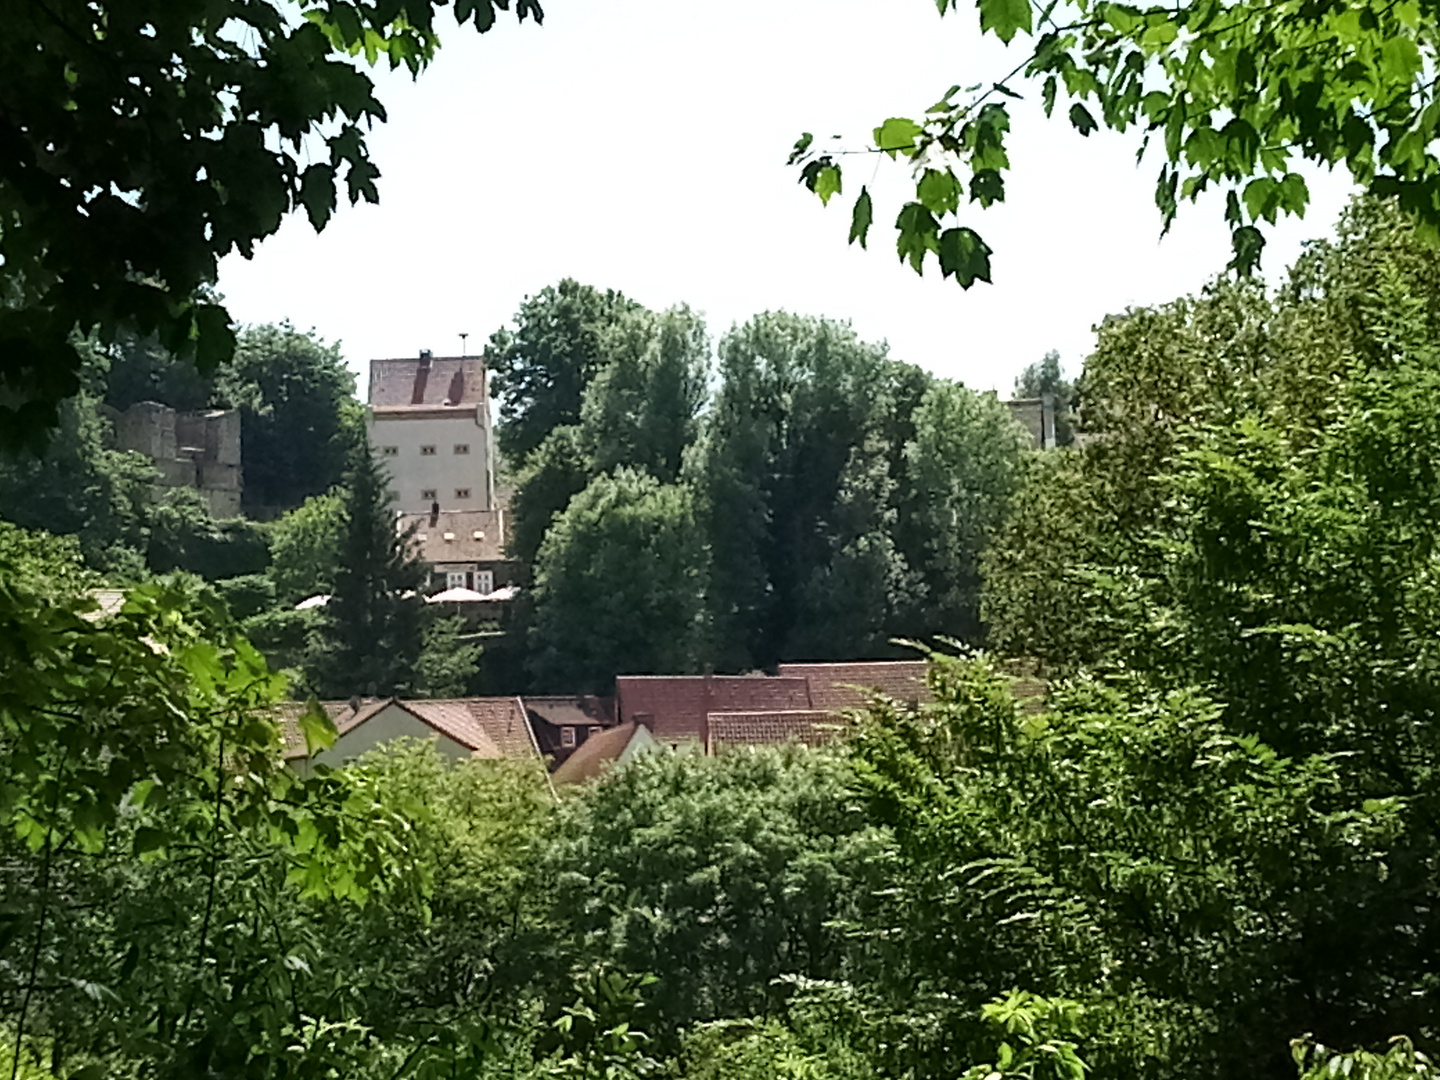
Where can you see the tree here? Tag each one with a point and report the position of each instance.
(618, 586)
(305, 547)
(965, 467)
(371, 637)
(294, 394)
(1231, 96)
(540, 369)
(143, 142)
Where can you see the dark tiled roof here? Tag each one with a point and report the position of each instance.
(814, 727)
(443, 380)
(343, 714)
(846, 686)
(674, 707)
(580, 710)
(490, 727)
(594, 754)
(430, 545)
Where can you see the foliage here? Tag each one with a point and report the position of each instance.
(1400, 1062)
(183, 536)
(447, 664)
(1232, 96)
(370, 640)
(292, 391)
(540, 369)
(618, 585)
(1122, 848)
(719, 875)
(112, 112)
(305, 547)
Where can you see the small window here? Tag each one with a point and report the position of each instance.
(462, 447)
(390, 451)
(567, 736)
(485, 582)
(455, 579)
(427, 451)
(462, 493)
(428, 495)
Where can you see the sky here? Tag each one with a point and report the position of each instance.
(641, 144)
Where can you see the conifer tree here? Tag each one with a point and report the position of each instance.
(372, 634)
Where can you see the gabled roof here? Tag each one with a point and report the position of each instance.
(427, 382)
(602, 749)
(834, 687)
(489, 727)
(813, 727)
(577, 710)
(463, 546)
(343, 714)
(674, 707)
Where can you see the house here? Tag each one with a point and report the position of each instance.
(563, 723)
(462, 548)
(484, 728)
(812, 727)
(676, 708)
(849, 685)
(429, 423)
(606, 749)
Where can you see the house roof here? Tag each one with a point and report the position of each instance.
(813, 727)
(343, 714)
(594, 754)
(835, 687)
(427, 381)
(461, 526)
(490, 727)
(579, 710)
(487, 727)
(674, 707)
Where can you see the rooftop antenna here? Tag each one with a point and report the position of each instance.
(462, 345)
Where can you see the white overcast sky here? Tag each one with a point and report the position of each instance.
(641, 145)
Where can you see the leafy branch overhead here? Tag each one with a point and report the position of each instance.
(1234, 95)
(141, 141)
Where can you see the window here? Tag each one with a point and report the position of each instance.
(462, 447)
(485, 582)
(427, 451)
(462, 493)
(567, 736)
(390, 451)
(455, 579)
(428, 495)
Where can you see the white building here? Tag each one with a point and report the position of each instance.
(430, 425)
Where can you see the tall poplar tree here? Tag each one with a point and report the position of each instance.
(372, 638)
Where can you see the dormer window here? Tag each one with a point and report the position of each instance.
(567, 736)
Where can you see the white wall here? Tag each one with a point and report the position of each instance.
(391, 722)
(446, 472)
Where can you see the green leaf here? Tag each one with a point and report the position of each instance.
(1006, 17)
(939, 191)
(827, 183)
(1247, 243)
(897, 134)
(861, 217)
(214, 337)
(318, 729)
(1081, 118)
(965, 255)
(919, 232)
(802, 146)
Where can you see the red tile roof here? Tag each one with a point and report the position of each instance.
(813, 727)
(442, 380)
(594, 754)
(848, 685)
(490, 727)
(674, 707)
